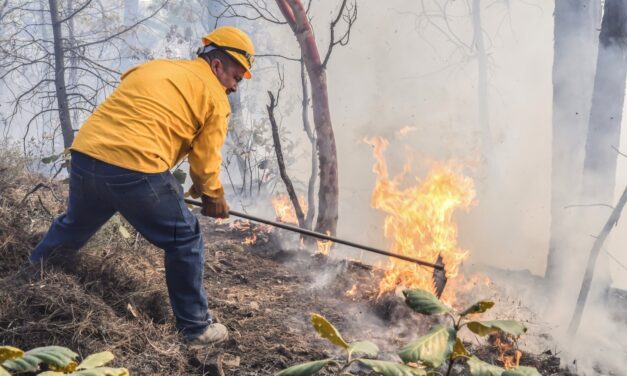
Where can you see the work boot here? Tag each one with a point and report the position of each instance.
(213, 334)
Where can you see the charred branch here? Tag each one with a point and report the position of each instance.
(592, 258)
(279, 154)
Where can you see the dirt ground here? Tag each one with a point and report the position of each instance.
(112, 296)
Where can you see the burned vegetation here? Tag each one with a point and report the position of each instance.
(112, 296)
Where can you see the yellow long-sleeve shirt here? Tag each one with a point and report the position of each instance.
(162, 111)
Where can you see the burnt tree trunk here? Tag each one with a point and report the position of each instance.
(575, 35)
(296, 16)
(608, 98)
(59, 76)
(291, 192)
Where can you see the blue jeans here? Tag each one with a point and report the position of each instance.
(153, 204)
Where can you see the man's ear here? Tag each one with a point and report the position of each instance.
(215, 64)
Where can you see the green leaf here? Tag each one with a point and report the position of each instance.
(483, 328)
(305, 369)
(432, 349)
(386, 368)
(96, 360)
(180, 176)
(4, 372)
(478, 307)
(521, 371)
(424, 302)
(10, 352)
(326, 330)
(459, 350)
(53, 355)
(124, 232)
(99, 371)
(480, 368)
(363, 347)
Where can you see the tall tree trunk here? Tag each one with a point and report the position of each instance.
(311, 186)
(575, 36)
(59, 76)
(482, 82)
(608, 98)
(296, 16)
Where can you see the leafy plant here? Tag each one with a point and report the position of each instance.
(442, 344)
(58, 360)
(327, 331)
(429, 352)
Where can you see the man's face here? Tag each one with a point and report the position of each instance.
(228, 75)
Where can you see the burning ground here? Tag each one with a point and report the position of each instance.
(112, 297)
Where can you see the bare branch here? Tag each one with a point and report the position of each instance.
(123, 31)
(618, 151)
(349, 15)
(279, 56)
(279, 152)
(77, 11)
(232, 10)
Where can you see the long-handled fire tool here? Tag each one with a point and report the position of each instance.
(439, 273)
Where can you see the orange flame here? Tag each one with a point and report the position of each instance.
(504, 348)
(419, 220)
(285, 210)
(352, 292)
(251, 239)
(324, 246)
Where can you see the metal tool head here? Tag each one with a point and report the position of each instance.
(439, 277)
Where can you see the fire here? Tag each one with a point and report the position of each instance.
(352, 292)
(285, 210)
(324, 246)
(508, 355)
(419, 220)
(251, 239)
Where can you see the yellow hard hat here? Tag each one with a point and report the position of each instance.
(234, 42)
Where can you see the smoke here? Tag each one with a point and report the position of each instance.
(402, 79)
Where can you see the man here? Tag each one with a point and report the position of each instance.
(121, 158)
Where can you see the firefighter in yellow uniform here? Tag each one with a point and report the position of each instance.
(162, 111)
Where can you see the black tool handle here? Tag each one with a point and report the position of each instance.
(325, 237)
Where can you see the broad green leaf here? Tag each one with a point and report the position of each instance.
(10, 352)
(478, 307)
(53, 355)
(459, 350)
(480, 368)
(327, 330)
(521, 371)
(4, 372)
(483, 328)
(100, 371)
(305, 369)
(96, 360)
(432, 349)
(363, 347)
(124, 232)
(180, 176)
(386, 368)
(424, 302)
